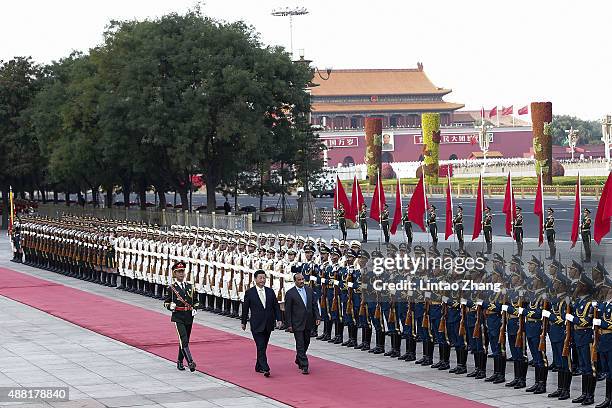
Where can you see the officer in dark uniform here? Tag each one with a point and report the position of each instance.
(374, 311)
(585, 232)
(363, 222)
(487, 228)
(384, 222)
(493, 317)
(342, 221)
(458, 224)
(431, 222)
(407, 227)
(603, 323)
(515, 302)
(181, 299)
(518, 230)
(549, 225)
(16, 238)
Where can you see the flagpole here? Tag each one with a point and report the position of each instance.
(484, 240)
(425, 202)
(450, 189)
(512, 209)
(335, 202)
(497, 114)
(399, 184)
(543, 211)
(380, 210)
(580, 213)
(12, 210)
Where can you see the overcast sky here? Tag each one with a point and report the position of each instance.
(488, 52)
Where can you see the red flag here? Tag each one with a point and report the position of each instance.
(378, 201)
(449, 210)
(493, 112)
(524, 110)
(509, 206)
(577, 211)
(604, 212)
(356, 200)
(397, 215)
(418, 205)
(538, 208)
(479, 210)
(507, 111)
(341, 198)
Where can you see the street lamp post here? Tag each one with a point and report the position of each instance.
(606, 136)
(572, 139)
(290, 12)
(484, 139)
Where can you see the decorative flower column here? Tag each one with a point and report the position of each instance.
(373, 132)
(541, 119)
(430, 125)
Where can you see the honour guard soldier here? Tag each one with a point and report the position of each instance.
(360, 309)
(181, 300)
(363, 223)
(347, 297)
(407, 227)
(433, 226)
(604, 325)
(585, 232)
(325, 267)
(333, 296)
(487, 229)
(493, 318)
(342, 221)
(518, 230)
(16, 241)
(384, 222)
(458, 224)
(374, 311)
(581, 319)
(549, 225)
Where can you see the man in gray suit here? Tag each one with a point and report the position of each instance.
(302, 312)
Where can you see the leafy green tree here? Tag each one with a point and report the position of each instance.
(589, 131)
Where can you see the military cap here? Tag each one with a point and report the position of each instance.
(324, 249)
(282, 236)
(352, 253)
(487, 208)
(364, 254)
(334, 241)
(343, 244)
(309, 248)
(300, 239)
(557, 265)
(433, 207)
(252, 244)
(577, 266)
(355, 243)
(291, 251)
(479, 254)
(336, 251)
(519, 208)
(178, 266)
(434, 251)
(377, 254)
(551, 210)
(310, 240)
(516, 260)
(290, 238)
(242, 241)
(498, 258)
(450, 253)
(602, 269)
(587, 210)
(403, 246)
(391, 248)
(586, 280)
(535, 261)
(460, 207)
(419, 250)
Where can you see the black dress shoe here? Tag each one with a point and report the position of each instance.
(192, 366)
(266, 373)
(180, 366)
(305, 370)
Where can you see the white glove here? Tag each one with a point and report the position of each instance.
(314, 279)
(445, 299)
(479, 303)
(463, 302)
(194, 312)
(594, 303)
(505, 308)
(545, 313)
(569, 317)
(172, 306)
(596, 322)
(323, 280)
(427, 295)
(520, 311)
(336, 282)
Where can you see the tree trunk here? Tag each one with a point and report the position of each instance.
(184, 198)
(67, 198)
(108, 199)
(55, 197)
(126, 195)
(211, 186)
(22, 195)
(236, 196)
(5, 208)
(43, 195)
(94, 196)
(80, 199)
(162, 198)
(142, 194)
(31, 194)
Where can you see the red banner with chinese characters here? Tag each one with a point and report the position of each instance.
(450, 138)
(345, 141)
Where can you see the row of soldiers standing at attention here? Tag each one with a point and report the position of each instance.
(566, 305)
(487, 227)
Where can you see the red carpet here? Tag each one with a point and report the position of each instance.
(223, 355)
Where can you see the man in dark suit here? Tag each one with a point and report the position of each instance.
(182, 301)
(261, 302)
(302, 312)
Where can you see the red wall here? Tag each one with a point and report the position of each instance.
(511, 142)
